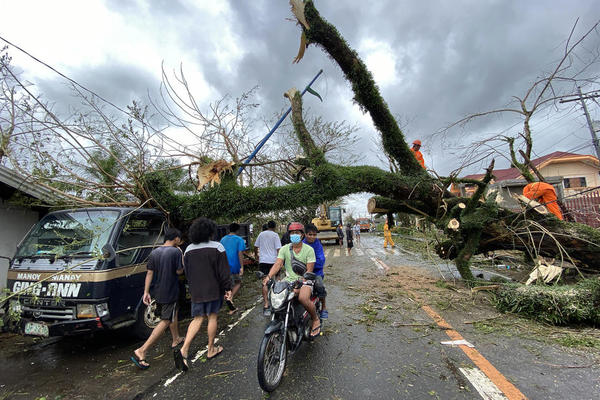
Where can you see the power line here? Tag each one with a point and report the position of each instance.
(67, 78)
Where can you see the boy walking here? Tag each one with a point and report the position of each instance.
(234, 247)
(165, 263)
(267, 244)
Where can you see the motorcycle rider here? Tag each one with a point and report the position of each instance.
(305, 254)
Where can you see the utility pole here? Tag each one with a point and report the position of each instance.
(587, 117)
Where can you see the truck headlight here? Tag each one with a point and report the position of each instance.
(86, 311)
(102, 309)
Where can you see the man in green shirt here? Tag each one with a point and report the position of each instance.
(306, 255)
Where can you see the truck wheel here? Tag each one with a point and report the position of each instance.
(146, 320)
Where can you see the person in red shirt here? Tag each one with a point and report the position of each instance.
(545, 194)
(417, 153)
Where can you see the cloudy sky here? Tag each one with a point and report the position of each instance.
(434, 61)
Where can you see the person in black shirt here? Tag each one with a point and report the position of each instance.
(165, 263)
(285, 238)
(349, 238)
(209, 277)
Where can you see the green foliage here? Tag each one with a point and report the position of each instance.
(557, 305)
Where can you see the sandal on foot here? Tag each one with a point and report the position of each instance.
(139, 362)
(230, 305)
(219, 351)
(179, 343)
(180, 361)
(315, 332)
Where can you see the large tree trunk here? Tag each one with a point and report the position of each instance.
(481, 225)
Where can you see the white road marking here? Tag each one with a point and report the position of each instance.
(222, 333)
(454, 343)
(377, 264)
(486, 388)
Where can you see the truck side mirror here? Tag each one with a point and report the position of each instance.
(108, 252)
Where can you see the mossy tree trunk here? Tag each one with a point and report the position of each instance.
(483, 226)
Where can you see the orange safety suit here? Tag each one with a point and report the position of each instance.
(418, 156)
(387, 236)
(544, 193)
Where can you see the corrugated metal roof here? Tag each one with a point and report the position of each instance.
(514, 173)
(27, 185)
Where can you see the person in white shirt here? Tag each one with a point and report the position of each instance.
(267, 245)
(356, 230)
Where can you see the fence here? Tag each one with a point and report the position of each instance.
(585, 208)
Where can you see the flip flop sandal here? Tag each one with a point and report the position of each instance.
(313, 330)
(230, 305)
(138, 362)
(179, 343)
(216, 354)
(179, 361)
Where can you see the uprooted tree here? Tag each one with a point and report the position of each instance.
(473, 225)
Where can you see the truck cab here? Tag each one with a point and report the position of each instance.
(83, 270)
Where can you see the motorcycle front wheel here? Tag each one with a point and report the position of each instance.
(272, 357)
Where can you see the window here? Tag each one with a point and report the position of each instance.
(70, 233)
(141, 233)
(578, 182)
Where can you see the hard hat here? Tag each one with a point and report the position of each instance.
(417, 142)
(296, 226)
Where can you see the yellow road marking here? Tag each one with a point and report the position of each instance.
(509, 390)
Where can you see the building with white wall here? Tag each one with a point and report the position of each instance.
(22, 204)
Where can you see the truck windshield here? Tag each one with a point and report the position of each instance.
(69, 233)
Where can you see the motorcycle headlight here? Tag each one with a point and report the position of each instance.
(277, 299)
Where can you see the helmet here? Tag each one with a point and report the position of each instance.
(296, 226)
(418, 142)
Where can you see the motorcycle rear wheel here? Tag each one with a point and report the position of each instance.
(271, 364)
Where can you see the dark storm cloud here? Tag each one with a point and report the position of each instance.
(452, 58)
(116, 82)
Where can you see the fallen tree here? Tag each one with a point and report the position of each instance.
(481, 224)
(473, 225)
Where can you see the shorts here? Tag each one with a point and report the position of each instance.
(320, 287)
(167, 311)
(235, 279)
(350, 244)
(265, 268)
(206, 307)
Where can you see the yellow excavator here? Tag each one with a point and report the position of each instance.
(329, 218)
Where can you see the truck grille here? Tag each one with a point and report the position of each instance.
(50, 314)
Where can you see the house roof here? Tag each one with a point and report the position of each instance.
(26, 185)
(557, 156)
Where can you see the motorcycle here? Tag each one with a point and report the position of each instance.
(290, 324)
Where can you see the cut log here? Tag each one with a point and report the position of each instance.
(531, 204)
(453, 224)
(372, 207)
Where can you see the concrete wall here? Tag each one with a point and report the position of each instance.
(15, 222)
(573, 170)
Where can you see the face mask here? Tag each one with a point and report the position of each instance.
(295, 238)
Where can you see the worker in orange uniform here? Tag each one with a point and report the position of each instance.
(544, 193)
(387, 236)
(417, 153)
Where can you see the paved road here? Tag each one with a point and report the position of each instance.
(379, 342)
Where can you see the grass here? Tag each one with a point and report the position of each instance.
(578, 341)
